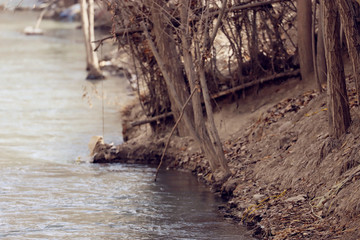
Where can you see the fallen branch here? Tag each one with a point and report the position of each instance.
(150, 120)
(249, 6)
(173, 130)
(219, 94)
(253, 83)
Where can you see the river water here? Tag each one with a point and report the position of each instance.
(47, 188)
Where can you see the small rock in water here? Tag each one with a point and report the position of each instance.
(95, 141)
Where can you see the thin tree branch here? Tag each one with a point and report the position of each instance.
(218, 23)
(172, 132)
(249, 6)
(119, 33)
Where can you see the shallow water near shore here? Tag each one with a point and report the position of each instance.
(47, 188)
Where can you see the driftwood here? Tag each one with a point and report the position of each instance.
(253, 83)
(144, 152)
(150, 120)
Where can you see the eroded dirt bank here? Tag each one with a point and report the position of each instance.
(290, 180)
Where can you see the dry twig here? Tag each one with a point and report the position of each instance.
(173, 130)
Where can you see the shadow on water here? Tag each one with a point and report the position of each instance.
(46, 124)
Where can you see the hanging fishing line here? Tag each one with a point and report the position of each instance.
(102, 100)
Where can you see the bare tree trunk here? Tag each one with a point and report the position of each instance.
(214, 136)
(216, 162)
(168, 52)
(320, 53)
(170, 84)
(215, 156)
(87, 19)
(200, 132)
(85, 27)
(337, 96)
(94, 58)
(204, 143)
(190, 68)
(350, 27)
(316, 72)
(304, 38)
(210, 117)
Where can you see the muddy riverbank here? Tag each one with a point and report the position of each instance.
(289, 179)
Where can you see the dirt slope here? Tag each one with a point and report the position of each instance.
(290, 180)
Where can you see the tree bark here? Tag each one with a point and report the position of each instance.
(320, 53)
(350, 27)
(339, 114)
(168, 52)
(304, 14)
(316, 71)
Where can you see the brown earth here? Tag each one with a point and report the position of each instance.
(290, 180)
